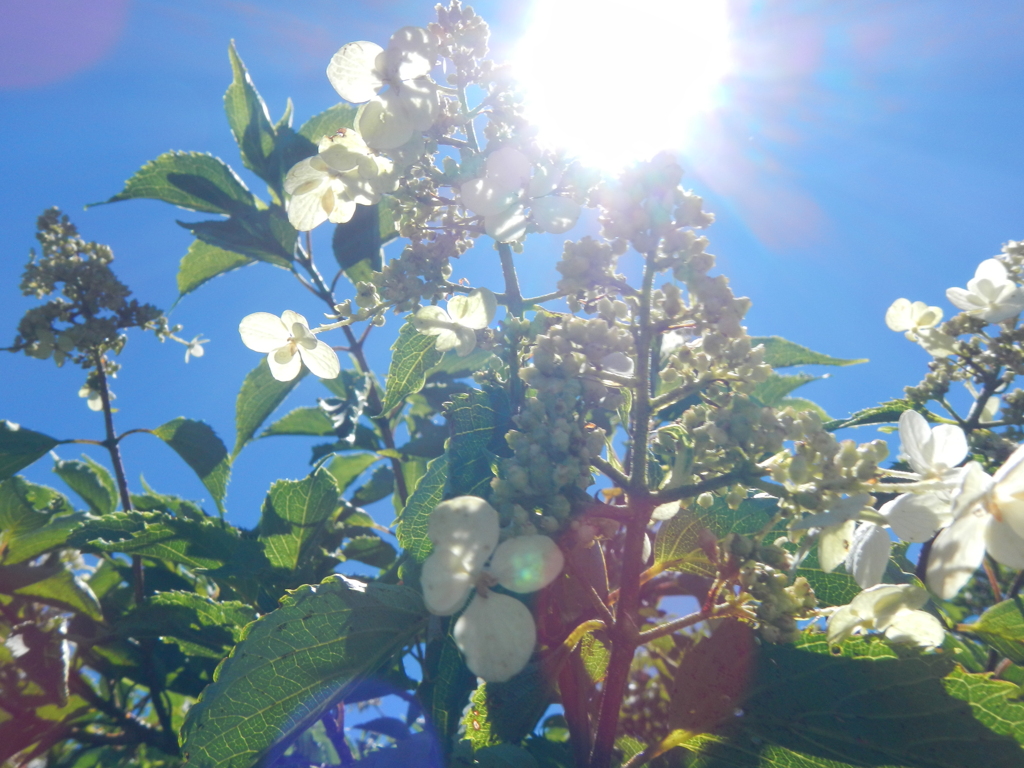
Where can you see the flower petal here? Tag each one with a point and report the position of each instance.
(915, 440)
(353, 72)
(916, 517)
(834, 544)
(431, 320)
(497, 635)
(842, 624)
(963, 299)
(555, 214)
(284, 363)
(508, 169)
(956, 554)
(465, 340)
(290, 317)
(507, 226)
(263, 332)
(917, 627)
(468, 528)
(446, 584)
(869, 554)
(475, 310)
(322, 361)
(949, 446)
(483, 198)
(383, 123)
(527, 563)
(899, 315)
(412, 52)
(419, 101)
(1004, 544)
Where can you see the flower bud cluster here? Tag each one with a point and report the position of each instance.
(94, 307)
(588, 266)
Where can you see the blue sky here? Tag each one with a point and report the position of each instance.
(860, 152)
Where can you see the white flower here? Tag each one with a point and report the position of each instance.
(496, 632)
(988, 516)
(194, 348)
(92, 397)
(506, 189)
(918, 321)
(456, 329)
(836, 528)
(990, 295)
(329, 185)
(288, 343)
(358, 72)
(888, 608)
(869, 553)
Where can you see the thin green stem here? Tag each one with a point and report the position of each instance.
(514, 303)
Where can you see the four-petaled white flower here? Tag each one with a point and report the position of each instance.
(506, 189)
(496, 632)
(892, 609)
(988, 516)
(917, 320)
(990, 295)
(329, 185)
(194, 348)
(360, 70)
(835, 529)
(93, 398)
(456, 329)
(288, 343)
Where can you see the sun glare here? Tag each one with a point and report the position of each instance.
(614, 82)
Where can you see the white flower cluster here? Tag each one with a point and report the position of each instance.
(496, 632)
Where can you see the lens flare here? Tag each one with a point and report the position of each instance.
(613, 83)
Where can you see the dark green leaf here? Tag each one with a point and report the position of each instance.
(771, 391)
(250, 123)
(346, 468)
(301, 421)
(391, 727)
(293, 664)
(53, 535)
(192, 180)
(886, 413)
(460, 367)
(198, 625)
(505, 756)
(507, 712)
(25, 508)
(413, 522)
(357, 243)
(781, 353)
(264, 235)
(479, 421)
(199, 446)
(53, 584)
(328, 122)
(380, 485)
(370, 549)
(447, 692)
(204, 262)
(19, 447)
(91, 481)
(1002, 627)
(259, 396)
(414, 354)
(294, 515)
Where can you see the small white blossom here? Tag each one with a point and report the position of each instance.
(360, 70)
(288, 343)
(835, 528)
(917, 320)
(329, 185)
(194, 348)
(496, 632)
(456, 329)
(988, 516)
(92, 397)
(990, 295)
(889, 608)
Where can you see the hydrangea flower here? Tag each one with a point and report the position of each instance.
(892, 609)
(917, 320)
(506, 189)
(288, 343)
(496, 633)
(329, 185)
(93, 398)
(360, 70)
(194, 348)
(456, 329)
(990, 295)
(988, 516)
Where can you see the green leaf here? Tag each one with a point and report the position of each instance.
(460, 367)
(1002, 627)
(329, 122)
(447, 691)
(91, 481)
(357, 243)
(413, 354)
(370, 549)
(192, 180)
(250, 123)
(415, 518)
(204, 262)
(886, 413)
(301, 421)
(781, 353)
(507, 712)
(800, 404)
(53, 535)
(836, 588)
(259, 396)
(479, 421)
(26, 507)
(294, 515)
(198, 625)
(20, 447)
(293, 664)
(380, 485)
(52, 584)
(264, 235)
(345, 469)
(771, 391)
(199, 446)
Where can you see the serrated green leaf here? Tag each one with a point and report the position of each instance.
(507, 712)
(20, 447)
(886, 413)
(199, 446)
(369, 549)
(192, 180)
(782, 353)
(357, 243)
(447, 691)
(414, 353)
(203, 262)
(52, 584)
(53, 535)
(198, 625)
(329, 122)
(301, 421)
(259, 396)
(294, 515)
(264, 235)
(346, 468)
(1002, 627)
(595, 655)
(771, 391)
(250, 122)
(414, 520)
(91, 482)
(25, 506)
(479, 421)
(293, 664)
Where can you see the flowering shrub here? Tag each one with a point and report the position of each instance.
(558, 463)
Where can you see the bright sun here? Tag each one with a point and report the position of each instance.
(614, 82)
